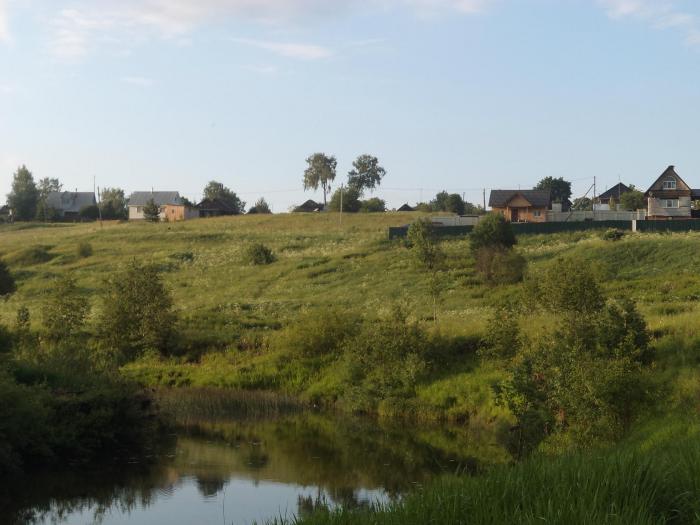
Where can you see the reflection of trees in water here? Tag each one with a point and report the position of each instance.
(336, 455)
(346, 497)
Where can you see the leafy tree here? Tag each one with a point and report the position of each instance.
(373, 205)
(473, 209)
(582, 204)
(633, 200)
(151, 211)
(137, 313)
(366, 174)
(569, 286)
(217, 191)
(439, 203)
(320, 171)
(64, 312)
(561, 189)
(24, 195)
(7, 282)
(499, 265)
(455, 204)
(261, 206)
(492, 231)
(44, 187)
(91, 212)
(113, 204)
(351, 200)
(423, 240)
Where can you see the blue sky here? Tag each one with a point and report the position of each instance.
(449, 94)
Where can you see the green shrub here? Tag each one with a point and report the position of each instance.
(84, 249)
(424, 245)
(90, 213)
(498, 265)
(492, 231)
(7, 282)
(258, 254)
(320, 333)
(64, 312)
(29, 256)
(613, 234)
(350, 200)
(373, 205)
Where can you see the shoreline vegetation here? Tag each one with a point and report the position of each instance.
(577, 351)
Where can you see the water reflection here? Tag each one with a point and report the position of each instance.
(238, 472)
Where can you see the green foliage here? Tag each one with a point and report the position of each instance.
(318, 334)
(498, 265)
(216, 190)
(366, 174)
(64, 312)
(320, 171)
(561, 189)
(612, 234)
(90, 213)
(261, 206)
(569, 287)
(373, 205)
(633, 200)
(151, 211)
(582, 204)
(452, 203)
(503, 338)
(137, 313)
(84, 249)
(24, 196)
(258, 254)
(113, 204)
(424, 244)
(7, 282)
(350, 200)
(492, 231)
(29, 256)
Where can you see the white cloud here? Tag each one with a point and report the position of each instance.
(142, 82)
(289, 49)
(660, 14)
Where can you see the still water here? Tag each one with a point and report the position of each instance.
(245, 472)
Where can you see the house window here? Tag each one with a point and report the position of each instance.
(537, 213)
(670, 184)
(670, 203)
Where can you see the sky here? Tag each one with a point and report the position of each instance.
(460, 95)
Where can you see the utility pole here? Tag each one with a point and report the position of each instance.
(341, 204)
(99, 205)
(484, 199)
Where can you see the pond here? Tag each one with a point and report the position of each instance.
(245, 472)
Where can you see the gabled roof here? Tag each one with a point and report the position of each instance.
(615, 192)
(406, 207)
(670, 172)
(70, 201)
(161, 198)
(216, 205)
(309, 206)
(537, 198)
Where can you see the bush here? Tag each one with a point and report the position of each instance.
(261, 206)
(492, 231)
(613, 234)
(320, 333)
(137, 314)
(90, 213)
(258, 254)
(64, 312)
(373, 205)
(151, 211)
(424, 245)
(84, 249)
(498, 265)
(351, 200)
(30, 256)
(7, 282)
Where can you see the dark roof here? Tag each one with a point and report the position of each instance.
(668, 172)
(538, 198)
(70, 201)
(161, 198)
(695, 194)
(216, 205)
(615, 191)
(309, 206)
(406, 207)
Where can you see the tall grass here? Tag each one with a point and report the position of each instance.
(620, 487)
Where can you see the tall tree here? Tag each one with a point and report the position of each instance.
(560, 188)
(320, 172)
(366, 174)
(24, 195)
(46, 186)
(113, 203)
(633, 200)
(216, 190)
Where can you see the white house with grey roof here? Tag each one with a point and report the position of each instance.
(163, 199)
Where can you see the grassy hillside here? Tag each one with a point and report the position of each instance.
(232, 312)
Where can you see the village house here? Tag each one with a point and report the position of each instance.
(67, 205)
(522, 205)
(309, 206)
(613, 195)
(171, 205)
(670, 197)
(215, 208)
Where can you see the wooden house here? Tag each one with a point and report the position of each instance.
(521, 205)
